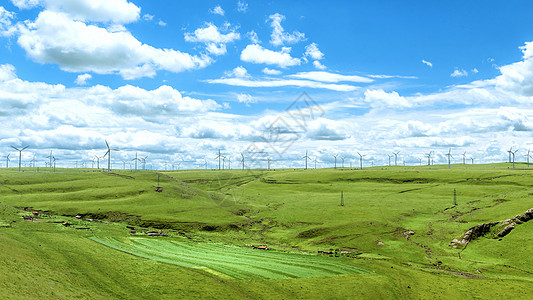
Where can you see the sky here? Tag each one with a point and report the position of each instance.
(179, 81)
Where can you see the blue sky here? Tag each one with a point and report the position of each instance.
(179, 80)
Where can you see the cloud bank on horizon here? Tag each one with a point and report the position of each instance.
(177, 87)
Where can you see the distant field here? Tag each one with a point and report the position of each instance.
(397, 222)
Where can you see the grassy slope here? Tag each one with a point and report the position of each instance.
(286, 209)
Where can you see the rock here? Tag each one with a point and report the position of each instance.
(380, 243)
(409, 232)
(505, 231)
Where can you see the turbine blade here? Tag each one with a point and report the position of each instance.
(107, 144)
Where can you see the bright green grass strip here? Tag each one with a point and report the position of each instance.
(232, 261)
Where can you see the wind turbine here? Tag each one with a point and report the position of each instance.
(268, 162)
(342, 159)
(219, 157)
(449, 154)
(464, 158)
(514, 152)
(306, 158)
(20, 154)
(420, 159)
(229, 162)
(50, 157)
(242, 160)
(205, 160)
(108, 153)
(144, 161)
(315, 160)
(528, 155)
(136, 159)
(335, 160)
(123, 165)
(97, 161)
(389, 158)
(361, 159)
(7, 160)
(33, 160)
(510, 153)
(396, 157)
(429, 157)
(223, 162)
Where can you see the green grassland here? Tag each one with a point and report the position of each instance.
(390, 239)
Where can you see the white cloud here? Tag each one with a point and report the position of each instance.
(82, 79)
(115, 11)
(459, 73)
(216, 49)
(161, 23)
(211, 34)
(242, 6)
(279, 36)
(318, 65)
(252, 35)
(380, 98)
(283, 83)
(312, 51)
(7, 72)
(6, 27)
(427, 63)
(330, 77)
(148, 17)
(217, 10)
(238, 72)
(475, 70)
(246, 99)
(258, 55)
(77, 47)
(271, 71)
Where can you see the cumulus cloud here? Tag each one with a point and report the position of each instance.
(211, 34)
(279, 36)
(380, 98)
(82, 79)
(268, 71)
(215, 40)
(7, 72)
(114, 11)
(148, 17)
(239, 72)
(330, 77)
(459, 73)
(312, 51)
(427, 63)
(217, 10)
(77, 47)
(246, 99)
(259, 55)
(6, 26)
(318, 65)
(252, 35)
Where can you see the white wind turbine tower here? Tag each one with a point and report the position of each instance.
(464, 158)
(389, 158)
(242, 160)
(20, 154)
(510, 153)
(219, 157)
(33, 160)
(315, 160)
(527, 155)
(342, 164)
(428, 155)
(449, 154)
(513, 153)
(335, 160)
(7, 160)
(420, 159)
(97, 161)
(306, 157)
(108, 153)
(144, 161)
(361, 159)
(396, 157)
(50, 157)
(136, 159)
